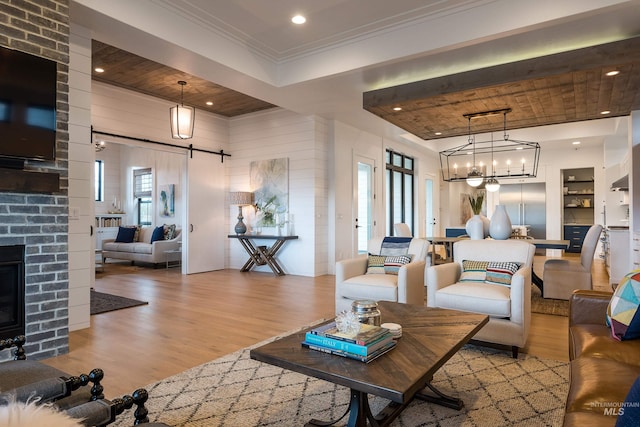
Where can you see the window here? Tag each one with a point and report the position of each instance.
(142, 192)
(399, 177)
(99, 180)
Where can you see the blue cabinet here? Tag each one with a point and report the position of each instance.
(575, 235)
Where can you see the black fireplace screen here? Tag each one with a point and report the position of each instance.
(12, 305)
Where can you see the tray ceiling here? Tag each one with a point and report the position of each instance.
(561, 88)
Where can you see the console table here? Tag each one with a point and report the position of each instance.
(260, 254)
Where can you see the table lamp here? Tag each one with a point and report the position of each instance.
(240, 198)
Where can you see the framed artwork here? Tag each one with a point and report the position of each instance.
(167, 200)
(270, 184)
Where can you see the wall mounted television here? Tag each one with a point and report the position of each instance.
(27, 107)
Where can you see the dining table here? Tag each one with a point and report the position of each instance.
(448, 242)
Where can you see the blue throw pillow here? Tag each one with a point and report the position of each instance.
(125, 234)
(629, 412)
(158, 234)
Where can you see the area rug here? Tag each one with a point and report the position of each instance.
(556, 307)
(237, 391)
(103, 303)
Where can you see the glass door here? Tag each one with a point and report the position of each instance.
(363, 201)
(431, 209)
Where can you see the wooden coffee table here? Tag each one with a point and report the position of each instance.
(430, 336)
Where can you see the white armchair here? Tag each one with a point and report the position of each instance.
(509, 307)
(353, 282)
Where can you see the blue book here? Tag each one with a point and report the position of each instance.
(379, 352)
(335, 344)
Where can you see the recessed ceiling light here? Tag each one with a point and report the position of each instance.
(438, 133)
(209, 103)
(299, 19)
(605, 112)
(576, 142)
(98, 70)
(613, 73)
(397, 108)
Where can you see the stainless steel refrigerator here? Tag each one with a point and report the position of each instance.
(525, 205)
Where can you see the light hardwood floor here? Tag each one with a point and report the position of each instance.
(196, 318)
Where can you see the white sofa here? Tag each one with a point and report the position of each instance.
(352, 282)
(143, 250)
(509, 307)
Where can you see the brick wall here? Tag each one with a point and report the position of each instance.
(40, 221)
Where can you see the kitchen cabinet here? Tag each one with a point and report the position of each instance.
(619, 260)
(575, 235)
(635, 250)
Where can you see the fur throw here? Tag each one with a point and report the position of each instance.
(18, 414)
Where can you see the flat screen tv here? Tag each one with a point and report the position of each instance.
(27, 106)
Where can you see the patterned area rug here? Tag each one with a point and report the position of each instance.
(557, 307)
(102, 303)
(237, 391)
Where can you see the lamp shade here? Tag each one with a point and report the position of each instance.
(182, 120)
(241, 198)
(475, 178)
(492, 185)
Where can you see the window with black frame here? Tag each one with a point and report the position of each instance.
(142, 192)
(400, 183)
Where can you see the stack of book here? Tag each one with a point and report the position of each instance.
(368, 344)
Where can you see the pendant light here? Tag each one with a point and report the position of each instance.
(474, 178)
(182, 118)
(492, 185)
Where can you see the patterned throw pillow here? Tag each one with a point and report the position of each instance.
(500, 273)
(474, 271)
(376, 264)
(392, 264)
(623, 314)
(379, 264)
(169, 231)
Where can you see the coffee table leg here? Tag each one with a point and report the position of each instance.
(359, 412)
(440, 398)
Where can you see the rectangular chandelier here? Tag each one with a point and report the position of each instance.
(495, 158)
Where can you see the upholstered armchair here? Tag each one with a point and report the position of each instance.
(562, 276)
(80, 397)
(356, 279)
(491, 277)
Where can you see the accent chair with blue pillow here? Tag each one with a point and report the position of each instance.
(392, 271)
(491, 277)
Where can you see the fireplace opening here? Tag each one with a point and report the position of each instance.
(12, 305)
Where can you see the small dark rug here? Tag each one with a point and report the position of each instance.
(102, 303)
(556, 307)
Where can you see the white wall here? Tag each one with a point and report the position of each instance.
(302, 139)
(349, 142)
(81, 207)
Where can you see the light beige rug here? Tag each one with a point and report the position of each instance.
(237, 391)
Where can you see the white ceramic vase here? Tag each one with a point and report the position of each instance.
(486, 224)
(500, 227)
(475, 228)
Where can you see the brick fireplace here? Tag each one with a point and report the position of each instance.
(38, 222)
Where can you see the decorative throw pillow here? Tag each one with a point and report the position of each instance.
(623, 314)
(169, 231)
(376, 264)
(474, 271)
(125, 234)
(392, 264)
(500, 273)
(158, 234)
